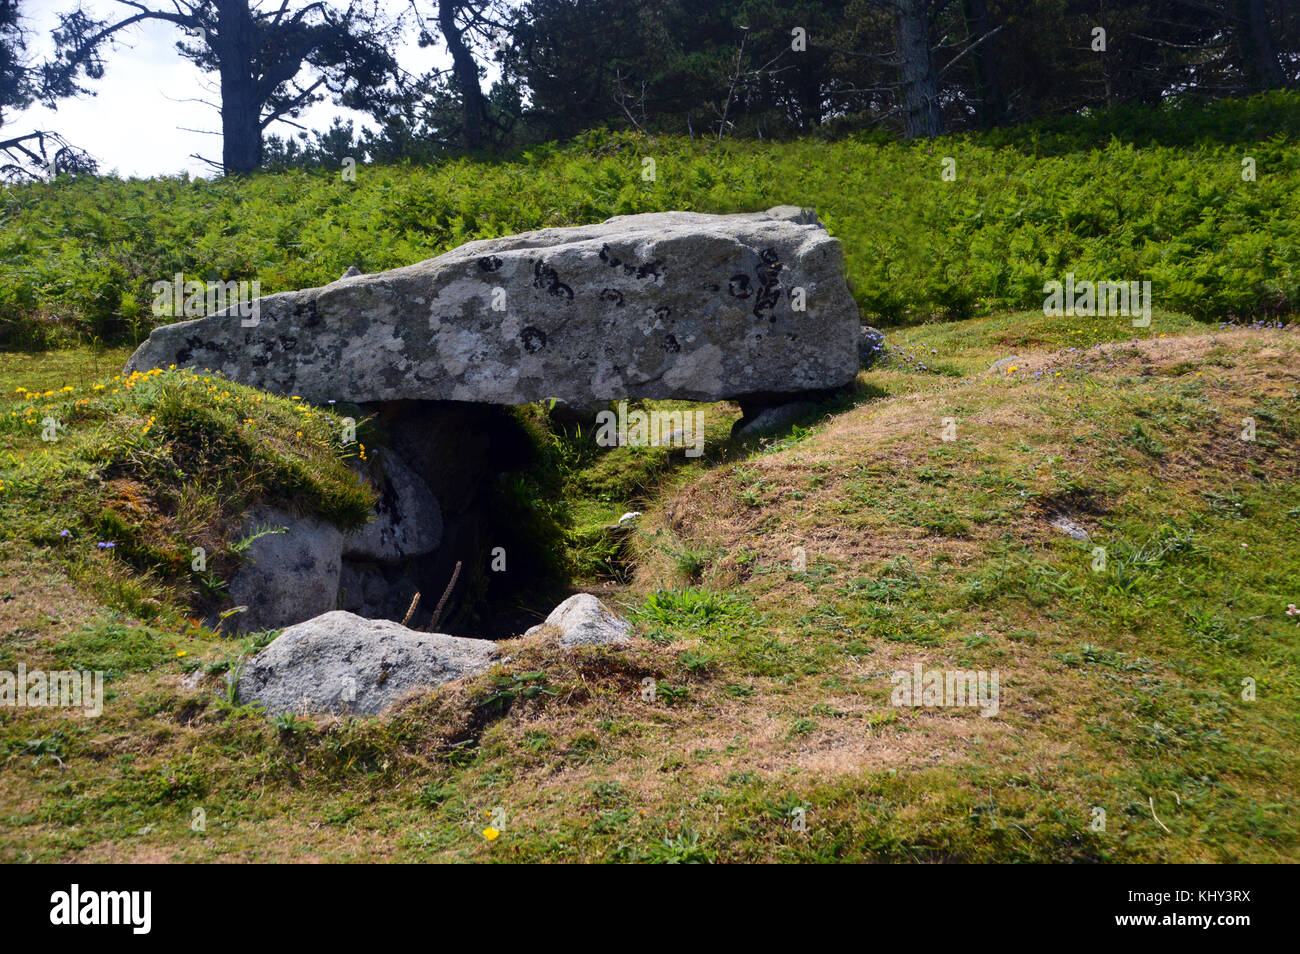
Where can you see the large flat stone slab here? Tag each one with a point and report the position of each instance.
(664, 305)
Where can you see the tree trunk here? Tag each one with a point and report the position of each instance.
(992, 107)
(241, 125)
(921, 114)
(1256, 46)
(465, 70)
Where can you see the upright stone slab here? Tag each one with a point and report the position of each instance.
(290, 570)
(407, 520)
(663, 305)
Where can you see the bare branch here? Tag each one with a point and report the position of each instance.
(215, 165)
(956, 59)
(890, 59)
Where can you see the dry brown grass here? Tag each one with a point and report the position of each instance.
(892, 438)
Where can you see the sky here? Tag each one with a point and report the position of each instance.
(141, 121)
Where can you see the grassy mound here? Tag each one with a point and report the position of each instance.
(1122, 681)
(127, 479)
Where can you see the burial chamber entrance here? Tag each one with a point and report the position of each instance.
(470, 534)
(460, 483)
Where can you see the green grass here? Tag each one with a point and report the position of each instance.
(1122, 684)
(78, 258)
(756, 687)
(575, 491)
(124, 480)
(49, 370)
(971, 347)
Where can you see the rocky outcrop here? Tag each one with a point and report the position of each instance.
(343, 663)
(296, 567)
(664, 305)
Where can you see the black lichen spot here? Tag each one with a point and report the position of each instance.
(191, 343)
(766, 301)
(612, 294)
(769, 283)
(489, 263)
(649, 270)
(302, 314)
(534, 339)
(769, 269)
(543, 275)
(546, 277)
(738, 286)
(671, 345)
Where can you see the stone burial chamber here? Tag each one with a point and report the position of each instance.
(674, 305)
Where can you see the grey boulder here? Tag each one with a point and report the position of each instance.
(343, 663)
(407, 520)
(663, 305)
(583, 620)
(1068, 525)
(288, 575)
